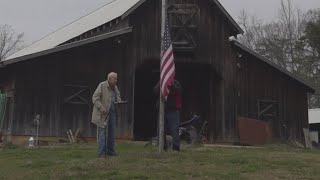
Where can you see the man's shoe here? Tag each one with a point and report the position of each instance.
(165, 149)
(177, 149)
(112, 154)
(101, 156)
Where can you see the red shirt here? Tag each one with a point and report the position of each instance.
(177, 97)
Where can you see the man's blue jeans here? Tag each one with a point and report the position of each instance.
(172, 122)
(102, 148)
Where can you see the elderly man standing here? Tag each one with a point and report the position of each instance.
(105, 113)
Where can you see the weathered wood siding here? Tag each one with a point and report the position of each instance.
(145, 42)
(41, 89)
(259, 81)
(213, 50)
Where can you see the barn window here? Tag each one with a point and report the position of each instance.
(268, 110)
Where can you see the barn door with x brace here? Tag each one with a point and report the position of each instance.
(183, 20)
(76, 107)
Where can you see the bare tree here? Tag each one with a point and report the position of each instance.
(312, 54)
(291, 40)
(276, 40)
(252, 27)
(10, 42)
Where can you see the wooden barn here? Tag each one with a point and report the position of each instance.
(222, 80)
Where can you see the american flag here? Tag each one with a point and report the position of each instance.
(167, 69)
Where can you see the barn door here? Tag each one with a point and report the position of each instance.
(76, 107)
(145, 110)
(3, 105)
(6, 114)
(183, 20)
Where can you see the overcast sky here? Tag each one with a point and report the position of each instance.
(38, 18)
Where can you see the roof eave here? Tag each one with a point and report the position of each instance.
(311, 88)
(66, 46)
(133, 8)
(232, 21)
(2, 64)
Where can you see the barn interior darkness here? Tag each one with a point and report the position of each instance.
(194, 79)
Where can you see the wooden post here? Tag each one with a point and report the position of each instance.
(76, 135)
(69, 137)
(223, 118)
(161, 104)
(12, 106)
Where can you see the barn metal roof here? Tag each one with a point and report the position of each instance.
(284, 71)
(97, 18)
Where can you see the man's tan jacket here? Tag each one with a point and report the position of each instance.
(101, 100)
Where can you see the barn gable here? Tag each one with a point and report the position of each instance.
(112, 16)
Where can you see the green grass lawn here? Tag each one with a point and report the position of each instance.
(137, 162)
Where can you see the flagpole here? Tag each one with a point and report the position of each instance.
(161, 104)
